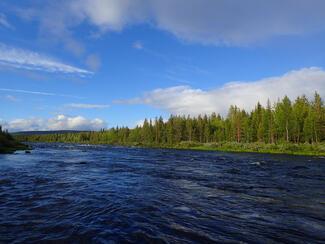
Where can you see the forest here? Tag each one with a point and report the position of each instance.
(266, 128)
(8, 144)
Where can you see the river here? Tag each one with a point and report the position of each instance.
(103, 194)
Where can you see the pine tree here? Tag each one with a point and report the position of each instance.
(283, 117)
(206, 129)
(269, 123)
(146, 132)
(318, 113)
(170, 131)
(300, 112)
(309, 126)
(189, 129)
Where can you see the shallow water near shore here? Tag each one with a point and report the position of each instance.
(86, 193)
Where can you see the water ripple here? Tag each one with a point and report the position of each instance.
(85, 193)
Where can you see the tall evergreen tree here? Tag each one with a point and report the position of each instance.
(300, 113)
(319, 117)
(283, 118)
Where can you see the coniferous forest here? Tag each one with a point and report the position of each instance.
(285, 126)
(8, 144)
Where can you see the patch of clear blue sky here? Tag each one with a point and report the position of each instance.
(127, 72)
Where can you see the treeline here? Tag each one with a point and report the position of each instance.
(8, 144)
(4, 136)
(299, 121)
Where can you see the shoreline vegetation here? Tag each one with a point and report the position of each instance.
(285, 127)
(8, 144)
(263, 148)
(291, 149)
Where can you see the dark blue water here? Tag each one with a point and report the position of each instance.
(74, 193)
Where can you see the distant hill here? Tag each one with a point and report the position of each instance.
(50, 132)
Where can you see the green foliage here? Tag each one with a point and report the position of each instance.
(8, 144)
(283, 127)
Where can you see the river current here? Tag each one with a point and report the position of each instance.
(102, 194)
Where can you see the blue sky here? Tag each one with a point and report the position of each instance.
(81, 64)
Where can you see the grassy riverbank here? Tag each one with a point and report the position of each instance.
(293, 149)
(9, 145)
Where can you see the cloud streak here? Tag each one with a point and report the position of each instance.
(185, 100)
(38, 93)
(87, 106)
(4, 22)
(24, 59)
(60, 122)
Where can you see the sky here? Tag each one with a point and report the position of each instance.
(92, 64)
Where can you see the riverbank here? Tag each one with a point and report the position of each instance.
(279, 148)
(9, 145)
(292, 149)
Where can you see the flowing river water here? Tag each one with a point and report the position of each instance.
(103, 194)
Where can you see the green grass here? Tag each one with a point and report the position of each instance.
(285, 148)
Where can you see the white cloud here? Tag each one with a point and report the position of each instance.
(24, 59)
(87, 106)
(225, 22)
(108, 14)
(231, 22)
(37, 93)
(60, 122)
(4, 22)
(186, 100)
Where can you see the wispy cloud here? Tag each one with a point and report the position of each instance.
(177, 79)
(4, 22)
(24, 59)
(87, 106)
(38, 93)
(187, 100)
(59, 122)
(138, 45)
